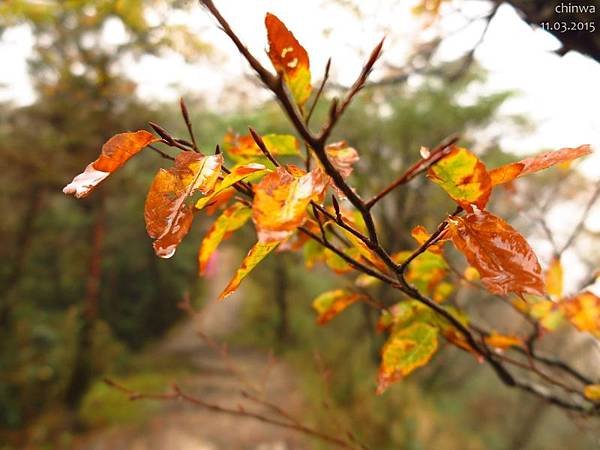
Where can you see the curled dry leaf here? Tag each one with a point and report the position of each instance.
(281, 199)
(406, 350)
(509, 172)
(329, 304)
(501, 255)
(342, 157)
(289, 58)
(115, 152)
(464, 177)
(233, 218)
(168, 217)
(254, 256)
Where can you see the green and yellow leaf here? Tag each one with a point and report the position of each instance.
(233, 218)
(406, 350)
(464, 177)
(256, 254)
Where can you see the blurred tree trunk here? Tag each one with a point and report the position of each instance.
(280, 292)
(82, 372)
(23, 242)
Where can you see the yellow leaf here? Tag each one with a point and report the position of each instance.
(232, 218)
(280, 202)
(583, 311)
(254, 256)
(592, 392)
(554, 279)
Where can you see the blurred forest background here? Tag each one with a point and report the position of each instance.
(82, 296)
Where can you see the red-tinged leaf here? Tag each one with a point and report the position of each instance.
(168, 217)
(254, 256)
(554, 279)
(245, 147)
(281, 199)
(501, 255)
(583, 311)
(342, 157)
(464, 177)
(217, 200)
(406, 350)
(330, 304)
(502, 342)
(289, 58)
(509, 172)
(115, 152)
(232, 219)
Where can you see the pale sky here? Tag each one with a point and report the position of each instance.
(560, 95)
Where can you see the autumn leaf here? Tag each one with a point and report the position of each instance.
(245, 147)
(426, 271)
(256, 254)
(168, 216)
(464, 177)
(421, 235)
(501, 255)
(342, 157)
(289, 58)
(230, 220)
(329, 304)
(554, 279)
(502, 342)
(281, 199)
(509, 172)
(238, 173)
(583, 311)
(406, 350)
(592, 392)
(115, 152)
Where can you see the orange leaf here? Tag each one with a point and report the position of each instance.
(254, 256)
(281, 199)
(115, 152)
(289, 58)
(245, 147)
(500, 254)
(232, 219)
(509, 172)
(342, 157)
(583, 311)
(592, 392)
(329, 304)
(464, 177)
(168, 217)
(506, 173)
(503, 342)
(421, 235)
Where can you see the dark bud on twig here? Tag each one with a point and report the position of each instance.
(263, 148)
(162, 132)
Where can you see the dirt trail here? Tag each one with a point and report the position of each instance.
(181, 426)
